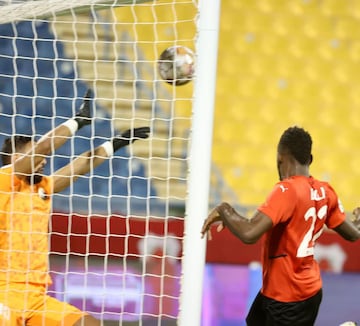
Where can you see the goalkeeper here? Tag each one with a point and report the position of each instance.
(25, 203)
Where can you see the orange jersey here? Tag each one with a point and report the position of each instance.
(28, 304)
(299, 208)
(24, 219)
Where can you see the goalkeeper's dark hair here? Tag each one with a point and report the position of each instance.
(11, 145)
(298, 142)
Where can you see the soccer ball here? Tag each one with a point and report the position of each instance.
(176, 65)
(348, 323)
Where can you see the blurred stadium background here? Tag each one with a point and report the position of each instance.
(280, 63)
(287, 63)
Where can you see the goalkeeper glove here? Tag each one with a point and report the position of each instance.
(129, 136)
(83, 117)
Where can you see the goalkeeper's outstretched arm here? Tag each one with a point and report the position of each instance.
(85, 162)
(27, 164)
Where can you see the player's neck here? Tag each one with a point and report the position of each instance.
(302, 170)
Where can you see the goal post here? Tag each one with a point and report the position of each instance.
(200, 163)
(125, 241)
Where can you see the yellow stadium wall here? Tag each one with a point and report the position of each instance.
(285, 63)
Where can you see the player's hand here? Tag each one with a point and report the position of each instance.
(129, 136)
(214, 217)
(356, 217)
(83, 117)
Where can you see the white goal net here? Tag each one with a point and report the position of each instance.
(116, 233)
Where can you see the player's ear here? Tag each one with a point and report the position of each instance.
(14, 157)
(311, 159)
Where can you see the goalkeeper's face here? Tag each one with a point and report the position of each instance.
(38, 170)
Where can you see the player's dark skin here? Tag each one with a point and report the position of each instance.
(249, 231)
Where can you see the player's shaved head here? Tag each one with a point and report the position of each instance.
(298, 143)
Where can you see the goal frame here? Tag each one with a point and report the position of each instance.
(197, 204)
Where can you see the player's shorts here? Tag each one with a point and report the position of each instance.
(28, 304)
(269, 312)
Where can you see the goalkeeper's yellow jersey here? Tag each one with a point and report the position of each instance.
(24, 221)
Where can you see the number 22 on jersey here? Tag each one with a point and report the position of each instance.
(306, 247)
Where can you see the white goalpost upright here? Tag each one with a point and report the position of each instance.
(200, 163)
(124, 240)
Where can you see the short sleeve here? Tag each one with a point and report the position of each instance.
(280, 203)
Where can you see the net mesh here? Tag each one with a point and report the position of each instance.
(17, 10)
(116, 233)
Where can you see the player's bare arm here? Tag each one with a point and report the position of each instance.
(88, 160)
(247, 230)
(27, 164)
(350, 228)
